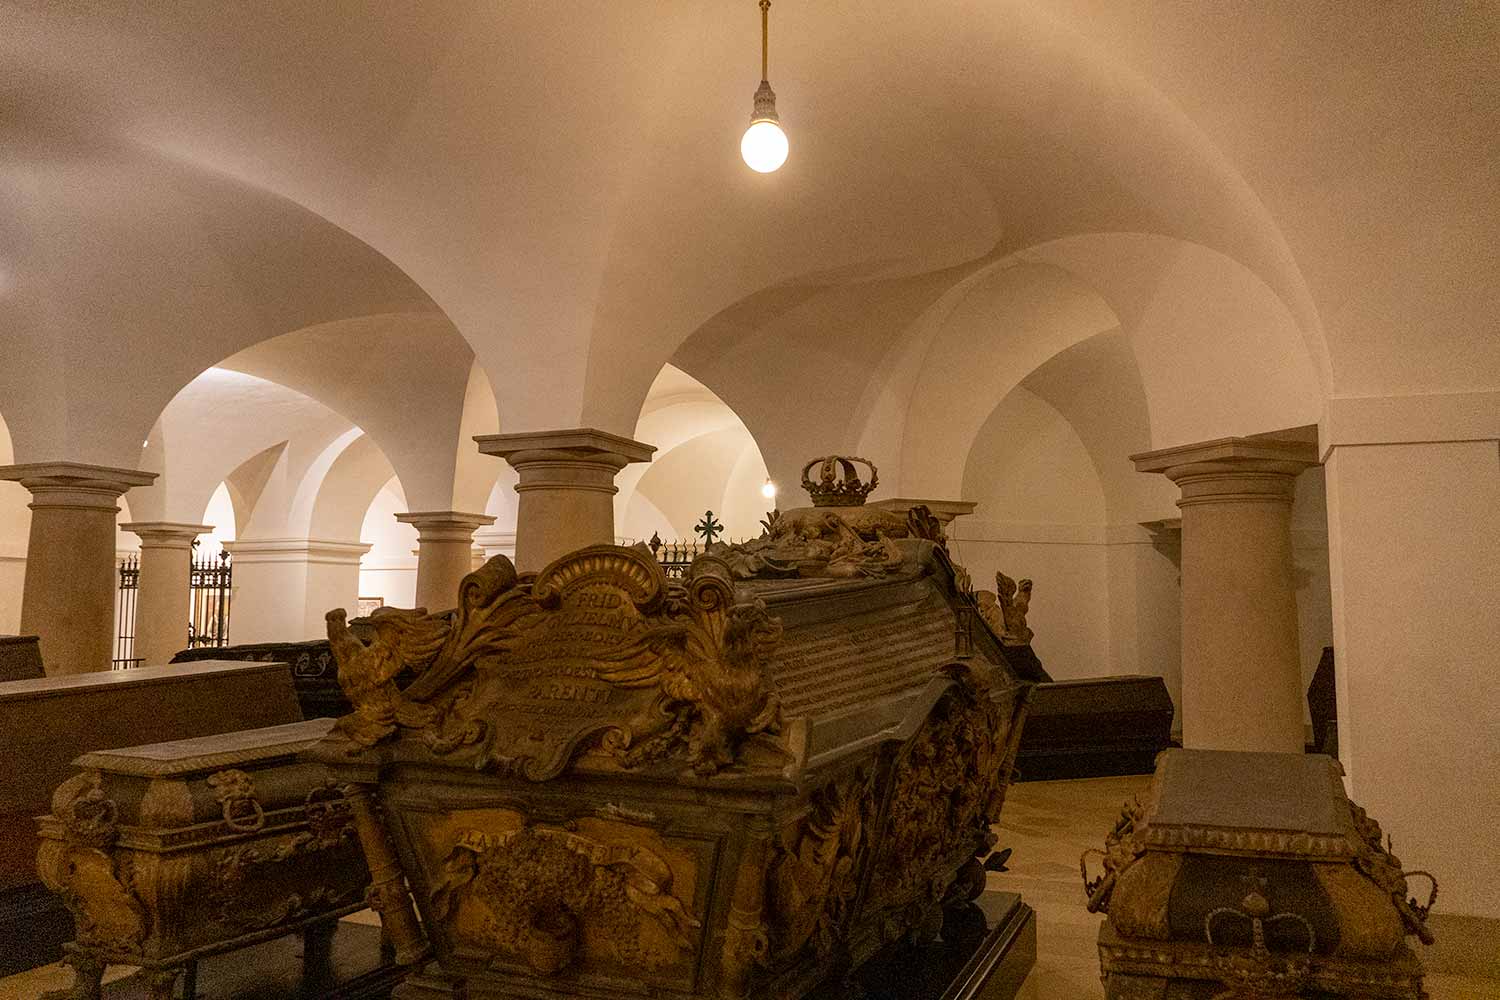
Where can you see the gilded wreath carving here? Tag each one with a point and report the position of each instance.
(549, 895)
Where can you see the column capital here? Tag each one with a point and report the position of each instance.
(167, 534)
(944, 510)
(1234, 469)
(579, 442)
(75, 484)
(445, 525)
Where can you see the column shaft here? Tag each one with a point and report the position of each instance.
(69, 594)
(163, 598)
(1241, 671)
(566, 489)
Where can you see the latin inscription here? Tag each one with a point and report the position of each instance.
(834, 666)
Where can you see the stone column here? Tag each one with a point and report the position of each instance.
(69, 595)
(445, 553)
(1241, 670)
(566, 490)
(163, 602)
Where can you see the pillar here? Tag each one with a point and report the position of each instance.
(68, 598)
(163, 601)
(566, 489)
(284, 586)
(445, 553)
(1241, 667)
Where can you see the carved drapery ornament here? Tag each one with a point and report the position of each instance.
(600, 654)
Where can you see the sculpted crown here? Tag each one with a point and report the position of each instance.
(838, 483)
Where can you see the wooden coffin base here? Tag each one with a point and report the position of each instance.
(985, 954)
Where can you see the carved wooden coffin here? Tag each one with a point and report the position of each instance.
(1247, 876)
(173, 849)
(48, 721)
(605, 784)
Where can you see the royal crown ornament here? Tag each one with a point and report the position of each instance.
(838, 483)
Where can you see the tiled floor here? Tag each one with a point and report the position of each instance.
(1048, 824)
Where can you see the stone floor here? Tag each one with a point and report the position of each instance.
(1048, 824)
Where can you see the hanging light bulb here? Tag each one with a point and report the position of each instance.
(769, 490)
(764, 146)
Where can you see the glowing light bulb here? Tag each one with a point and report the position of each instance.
(769, 490)
(764, 146)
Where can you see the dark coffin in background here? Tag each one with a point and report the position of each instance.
(48, 722)
(1323, 708)
(314, 674)
(20, 657)
(1094, 727)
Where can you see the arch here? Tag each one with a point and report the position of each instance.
(706, 459)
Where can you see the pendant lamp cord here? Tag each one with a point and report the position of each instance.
(765, 34)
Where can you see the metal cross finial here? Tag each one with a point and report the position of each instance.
(709, 527)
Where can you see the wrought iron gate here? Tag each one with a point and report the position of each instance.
(210, 586)
(125, 593)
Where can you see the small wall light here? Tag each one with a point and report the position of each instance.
(769, 490)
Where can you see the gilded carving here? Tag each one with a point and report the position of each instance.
(549, 894)
(235, 792)
(838, 537)
(1123, 846)
(947, 791)
(1004, 610)
(82, 869)
(1384, 869)
(599, 653)
(814, 877)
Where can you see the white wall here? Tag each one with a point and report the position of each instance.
(389, 569)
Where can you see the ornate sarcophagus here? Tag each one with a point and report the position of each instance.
(1251, 876)
(170, 852)
(605, 784)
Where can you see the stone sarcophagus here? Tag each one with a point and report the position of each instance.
(173, 851)
(605, 784)
(1250, 876)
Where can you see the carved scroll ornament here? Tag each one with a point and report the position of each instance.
(599, 654)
